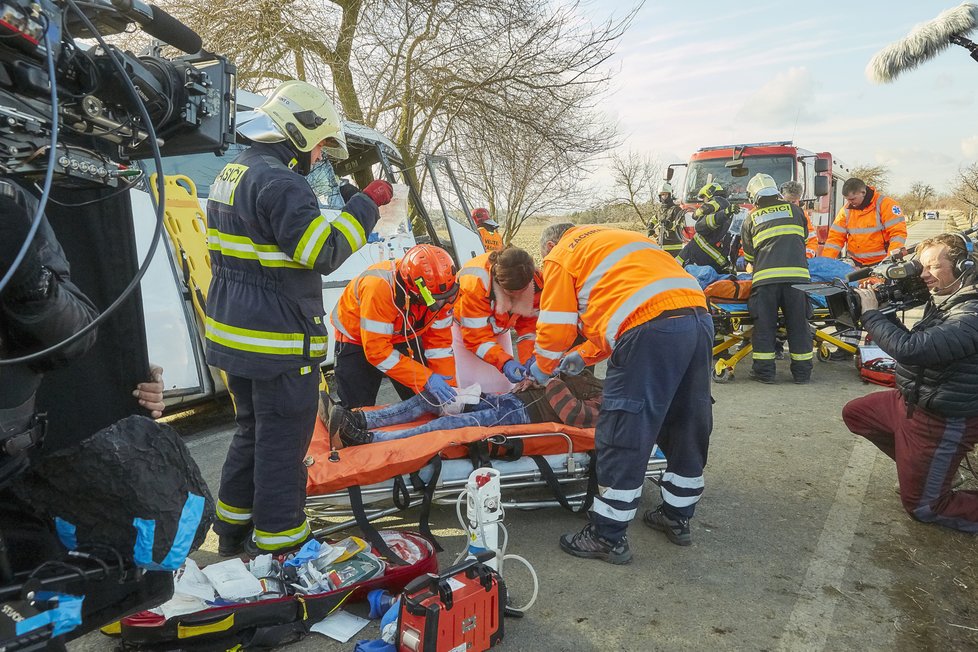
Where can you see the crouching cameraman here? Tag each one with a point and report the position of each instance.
(930, 422)
(39, 307)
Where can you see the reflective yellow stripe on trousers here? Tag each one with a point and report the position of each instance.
(255, 341)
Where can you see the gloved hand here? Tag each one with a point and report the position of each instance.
(374, 237)
(513, 371)
(347, 190)
(537, 374)
(380, 191)
(439, 389)
(572, 364)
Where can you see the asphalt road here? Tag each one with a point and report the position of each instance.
(800, 543)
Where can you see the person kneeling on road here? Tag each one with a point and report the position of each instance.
(930, 422)
(568, 399)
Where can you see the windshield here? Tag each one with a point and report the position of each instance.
(204, 168)
(699, 174)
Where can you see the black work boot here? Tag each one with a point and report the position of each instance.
(350, 425)
(590, 545)
(676, 529)
(761, 378)
(232, 545)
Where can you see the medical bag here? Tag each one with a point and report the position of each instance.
(461, 609)
(875, 366)
(277, 617)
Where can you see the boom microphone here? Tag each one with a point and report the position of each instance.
(859, 274)
(925, 41)
(159, 24)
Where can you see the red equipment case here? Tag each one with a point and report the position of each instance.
(460, 610)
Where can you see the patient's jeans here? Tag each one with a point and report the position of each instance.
(491, 410)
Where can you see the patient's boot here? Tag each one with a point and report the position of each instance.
(350, 426)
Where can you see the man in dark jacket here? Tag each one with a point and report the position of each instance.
(571, 400)
(667, 221)
(773, 237)
(709, 246)
(930, 422)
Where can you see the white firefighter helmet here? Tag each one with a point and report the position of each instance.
(300, 113)
(761, 185)
(666, 187)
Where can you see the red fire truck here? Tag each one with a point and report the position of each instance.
(732, 166)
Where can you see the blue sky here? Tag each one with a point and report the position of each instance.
(692, 74)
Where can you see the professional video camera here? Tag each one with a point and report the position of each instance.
(901, 289)
(106, 104)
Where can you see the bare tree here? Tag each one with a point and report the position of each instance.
(966, 188)
(877, 176)
(918, 198)
(635, 175)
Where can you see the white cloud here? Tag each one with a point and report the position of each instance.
(783, 101)
(969, 147)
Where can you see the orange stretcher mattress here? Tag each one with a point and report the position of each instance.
(372, 463)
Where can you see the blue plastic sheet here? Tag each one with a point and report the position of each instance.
(704, 274)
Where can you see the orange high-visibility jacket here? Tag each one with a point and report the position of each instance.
(811, 242)
(491, 240)
(368, 316)
(601, 282)
(868, 234)
(475, 312)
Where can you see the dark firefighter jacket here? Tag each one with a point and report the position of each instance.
(666, 226)
(269, 245)
(937, 360)
(773, 238)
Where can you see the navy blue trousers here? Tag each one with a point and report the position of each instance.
(657, 390)
(263, 482)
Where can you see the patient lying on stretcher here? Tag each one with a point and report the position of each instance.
(571, 400)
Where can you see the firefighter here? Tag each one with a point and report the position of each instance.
(870, 227)
(668, 219)
(773, 238)
(499, 292)
(713, 218)
(395, 319)
(635, 305)
(269, 246)
(492, 240)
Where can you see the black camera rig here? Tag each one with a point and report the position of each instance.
(189, 99)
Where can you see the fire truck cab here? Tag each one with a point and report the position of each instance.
(732, 166)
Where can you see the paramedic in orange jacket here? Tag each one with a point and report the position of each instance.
(870, 226)
(492, 239)
(499, 291)
(382, 316)
(635, 305)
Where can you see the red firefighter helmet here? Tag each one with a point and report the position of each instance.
(481, 218)
(429, 272)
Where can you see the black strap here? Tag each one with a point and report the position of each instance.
(479, 455)
(508, 451)
(401, 495)
(426, 501)
(551, 479)
(370, 533)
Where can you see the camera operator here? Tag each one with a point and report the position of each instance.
(930, 422)
(38, 308)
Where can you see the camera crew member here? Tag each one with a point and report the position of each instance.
(39, 307)
(930, 422)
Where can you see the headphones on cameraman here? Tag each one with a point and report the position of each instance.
(964, 263)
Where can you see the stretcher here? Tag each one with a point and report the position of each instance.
(733, 325)
(362, 484)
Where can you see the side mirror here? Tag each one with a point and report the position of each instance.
(821, 165)
(669, 172)
(740, 171)
(821, 186)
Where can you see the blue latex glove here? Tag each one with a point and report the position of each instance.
(572, 364)
(538, 375)
(439, 389)
(513, 371)
(374, 237)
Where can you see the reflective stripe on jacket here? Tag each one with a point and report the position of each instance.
(601, 282)
(773, 238)
(475, 312)
(868, 234)
(371, 313)
(269, 247)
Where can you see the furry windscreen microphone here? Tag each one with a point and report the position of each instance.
(923, 42)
